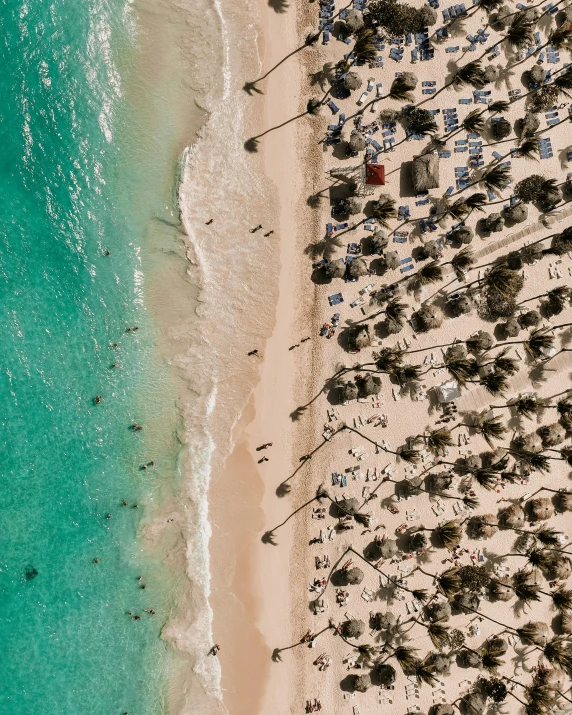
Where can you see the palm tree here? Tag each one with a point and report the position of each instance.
(496, 179)
(389, 359)
(525, 589)
(558, 651)
(526, 405)
(449, 582)
(420, 121)
(521, 31)
(471, 73)
(503, 280)
(364, 48)
(424, 673)
(411, 456)
(438, 440)
(462, 369)
(530, 148)
(534, 460)
(490, 428)
(479, 342)
(429, 273)
(383, 210)
(538, 344)
(462, 262)
(498, 107)
(438, 633)
(405, 656)
(474, 122)
(396, 311)
(506, 365)
(495, 382)
(562, 599)
(450, 534)
(476, 201)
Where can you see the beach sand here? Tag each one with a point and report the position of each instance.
(260, 592)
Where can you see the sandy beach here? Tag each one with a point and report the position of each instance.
(263, 524)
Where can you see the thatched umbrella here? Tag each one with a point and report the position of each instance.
(385, 621)
(501, 589)
(473, 704)
(566, 622)
(426, 16)
(564, 500)
(352, 81)
(530, 319)
(357, 268)
(541, 508)
(353, 629)
(551, 435)
(483, 526)
(536, 74)
(391, 260)
(357, 142)
(491, 73)
(532, 14)
(551, 196)
(528, 125)
(432, 249)
(389, 115)
(528, 442)
(440, 481)
(472, 462)
(354, 576)
(462, 305)
(387, 548)
(517, 213)
(429, 317)
(425, 172)
(463, 235)
(554, 679)
(494, 223)
(504, 16)
(349, 506)
(408, 81)
(511, 328)
(392, 326)
(534, 633)
(336, 269)
(362, 682)
(439, 663)
(512, 517)
(501, 129)
(354, 21)
(466, 602)
(352, 206)
(560, 567)
(348, 391)
(479, 341)
(386, 674)
(378, 241)
(370, 385)
(442, 709)
(439, 611)
(359, 337)
(470, 659)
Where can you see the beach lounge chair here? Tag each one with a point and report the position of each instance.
(333, 107)
(336, 299)
(406, 268)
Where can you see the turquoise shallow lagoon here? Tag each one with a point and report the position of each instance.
(76, 181)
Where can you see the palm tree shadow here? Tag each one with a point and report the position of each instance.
(251, 145)
(279, 6)
(276, 657)
(269, 538)
(250, 88)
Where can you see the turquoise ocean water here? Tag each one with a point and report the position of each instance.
(73, 185)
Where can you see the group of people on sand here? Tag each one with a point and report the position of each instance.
(316, 706)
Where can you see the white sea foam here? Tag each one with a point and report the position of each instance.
(236, 272)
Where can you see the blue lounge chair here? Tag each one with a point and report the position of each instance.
(404, 269)
(333, 107)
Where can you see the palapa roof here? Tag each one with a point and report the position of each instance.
(425, 172)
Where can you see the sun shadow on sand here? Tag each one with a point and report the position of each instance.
(279, 6)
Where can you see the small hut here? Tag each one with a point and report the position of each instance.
(483, 526)
(501, 589)
(448, 391)
(530, 319)
(425, 172)
(388, 548)
(501, 129)
(466, 602)
(431, 249)
(461, 305)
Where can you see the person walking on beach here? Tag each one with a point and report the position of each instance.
(264, 459)
(256, 228)
(255, 352)
(208, 223)
(215, 649)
